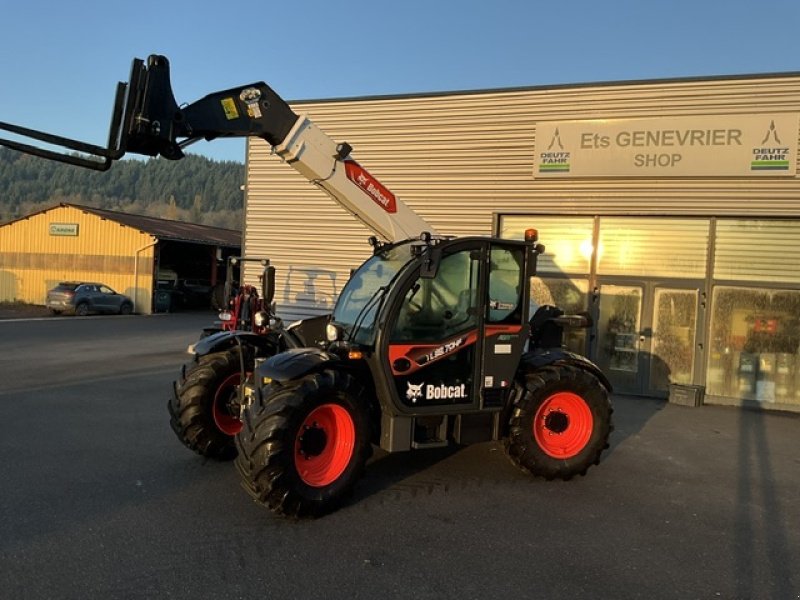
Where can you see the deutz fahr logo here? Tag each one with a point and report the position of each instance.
(555, 159)
(772, 155)
(374, 188)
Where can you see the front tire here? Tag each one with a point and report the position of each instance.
(560, 423)
(304, 444)
(204, 408)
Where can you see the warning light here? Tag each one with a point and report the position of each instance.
(355, 355)
(531, 235)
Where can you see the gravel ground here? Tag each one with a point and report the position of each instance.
(17, 310)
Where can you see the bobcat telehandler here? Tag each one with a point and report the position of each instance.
(430, 341)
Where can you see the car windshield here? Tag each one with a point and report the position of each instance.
(361, 298)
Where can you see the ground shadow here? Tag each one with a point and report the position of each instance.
(760, 538)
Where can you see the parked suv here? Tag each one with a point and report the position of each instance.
(84, 298)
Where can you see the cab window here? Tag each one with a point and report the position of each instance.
(434, 309)
(504, 285)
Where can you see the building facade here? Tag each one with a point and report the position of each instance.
(670, 211)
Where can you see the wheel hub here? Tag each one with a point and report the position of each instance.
(226, 407)
(312, 441)
(556, 422)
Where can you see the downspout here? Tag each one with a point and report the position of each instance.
(136, 270)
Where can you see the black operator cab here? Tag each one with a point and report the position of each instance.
(441, 323)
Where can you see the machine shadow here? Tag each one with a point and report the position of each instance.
(632, 412)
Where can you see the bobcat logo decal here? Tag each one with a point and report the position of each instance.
(414, 391)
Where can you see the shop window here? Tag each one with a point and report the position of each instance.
(753, 250)
(655, 247)
(755, 345)
(567, 240)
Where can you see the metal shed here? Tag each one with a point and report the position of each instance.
(124, 251)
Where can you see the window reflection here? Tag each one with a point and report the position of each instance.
(571, 296)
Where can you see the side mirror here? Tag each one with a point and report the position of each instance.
(431, 257)
(269, 285)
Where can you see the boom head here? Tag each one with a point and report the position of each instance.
(147, 120)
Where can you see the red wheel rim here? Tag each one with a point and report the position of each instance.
(324, 445)
(563, 425)
(224, 418)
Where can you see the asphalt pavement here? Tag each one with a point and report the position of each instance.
(100, 500)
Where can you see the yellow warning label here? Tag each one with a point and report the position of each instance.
(229, 106)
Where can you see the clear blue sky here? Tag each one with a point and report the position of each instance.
(60, 60)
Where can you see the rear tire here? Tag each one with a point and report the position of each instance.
(560, 423)
(204, 405)
(304, 444)
(82, 309)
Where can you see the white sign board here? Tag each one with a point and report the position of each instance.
(705, 146)
(70, 229)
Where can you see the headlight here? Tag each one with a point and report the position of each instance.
(225, 316)
(261, 319)
(331, 332)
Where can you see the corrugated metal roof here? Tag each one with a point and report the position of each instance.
(552, 87)
(165, 229)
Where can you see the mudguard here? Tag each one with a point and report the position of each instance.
(223, 340)
(295, 363)
(549, 356)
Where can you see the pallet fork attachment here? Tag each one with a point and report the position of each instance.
(93, 157)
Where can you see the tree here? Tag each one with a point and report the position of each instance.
(194, 189)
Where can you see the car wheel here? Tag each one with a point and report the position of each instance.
(82, 309)
(125, 309)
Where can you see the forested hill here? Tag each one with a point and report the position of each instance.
(195, 189)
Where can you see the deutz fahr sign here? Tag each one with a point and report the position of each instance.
(707, 146)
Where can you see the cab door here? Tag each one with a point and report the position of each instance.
(455, 339)
(432, 342)
(505, 330)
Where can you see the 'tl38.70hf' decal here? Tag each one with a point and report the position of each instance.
(413, 357)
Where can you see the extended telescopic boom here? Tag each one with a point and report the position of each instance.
(147, 120)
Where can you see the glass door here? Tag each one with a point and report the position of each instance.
(647, 336)
(674, 348)
(618, 336)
